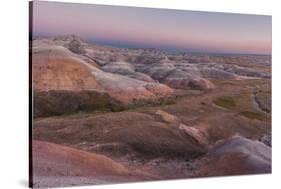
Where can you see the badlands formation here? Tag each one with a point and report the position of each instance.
(105, 115)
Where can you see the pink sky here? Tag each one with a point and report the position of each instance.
(158, 28)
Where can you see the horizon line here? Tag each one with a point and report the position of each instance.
(161, 49)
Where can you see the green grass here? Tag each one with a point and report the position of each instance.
(226, 102)
(242, 104)
(253, 115)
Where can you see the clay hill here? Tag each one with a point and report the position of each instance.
(55, 165)
(106, 115)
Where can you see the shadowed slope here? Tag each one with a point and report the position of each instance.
(119, 133)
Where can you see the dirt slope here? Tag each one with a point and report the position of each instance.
(52, 160)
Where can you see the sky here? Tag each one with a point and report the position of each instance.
(166, 29)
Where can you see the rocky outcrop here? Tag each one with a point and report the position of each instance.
(127, 69)
(266, 139)
(127, 90)
(214, 73)
(194, 133)
(237, 156)
(230, 71)
(174, 77)
(190, 132)
(166, 117)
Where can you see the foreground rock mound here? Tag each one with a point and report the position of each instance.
(237, 156)
(56, 164)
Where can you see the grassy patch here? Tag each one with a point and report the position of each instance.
(168, 102)
(253, 115)
(242, 104)
(226, 102)
(220, 82)
(249, 82)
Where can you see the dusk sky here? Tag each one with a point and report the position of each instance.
(190, 31)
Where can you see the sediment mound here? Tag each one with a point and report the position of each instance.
(57, 165)
(237, 156)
